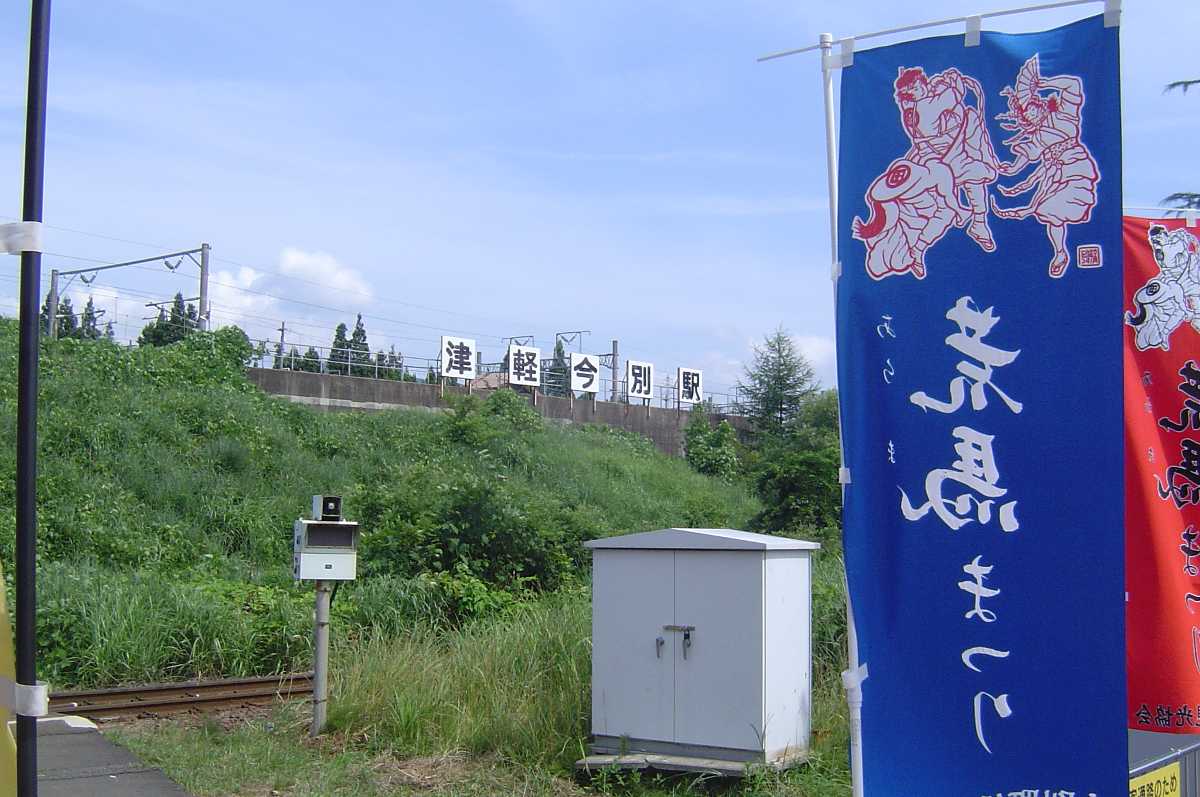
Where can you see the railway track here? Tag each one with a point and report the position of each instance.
(159, 699)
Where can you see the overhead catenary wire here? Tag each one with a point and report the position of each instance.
(246, 314)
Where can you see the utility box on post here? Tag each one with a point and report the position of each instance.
(701, 647)
(325, 548)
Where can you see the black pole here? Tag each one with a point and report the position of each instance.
(27, 389)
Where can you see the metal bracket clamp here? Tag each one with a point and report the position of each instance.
(843, 475)
(21, 236)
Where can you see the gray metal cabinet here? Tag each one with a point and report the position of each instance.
(701, 644)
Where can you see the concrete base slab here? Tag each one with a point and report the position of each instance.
(677, 763)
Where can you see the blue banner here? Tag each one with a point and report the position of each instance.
(979, 364)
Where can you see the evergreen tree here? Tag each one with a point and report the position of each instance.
(558, 376)
(45, 315)
(387, 365)
(67, 322)
(360, 351)
(310, 362)
(776, 385)
(89, 328)
(339, 353)
(171, 327)
(109, 334)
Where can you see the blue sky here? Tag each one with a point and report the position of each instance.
(489, 169)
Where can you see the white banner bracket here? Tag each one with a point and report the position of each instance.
(974, 26)
(1112, 13)
(852, 679)
(843, 59)
(843, 475)
(21, 236)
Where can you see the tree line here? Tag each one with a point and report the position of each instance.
(791, 454)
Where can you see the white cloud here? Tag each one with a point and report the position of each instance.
(325, 271)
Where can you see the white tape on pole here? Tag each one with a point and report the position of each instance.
(32, 701)
(23, 699)
(21, 236)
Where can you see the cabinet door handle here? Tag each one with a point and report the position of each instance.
(687, 635)
(658, 643)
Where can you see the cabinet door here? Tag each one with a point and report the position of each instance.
(632, 677)
(719, 686)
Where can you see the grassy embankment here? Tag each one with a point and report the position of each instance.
(167, 488)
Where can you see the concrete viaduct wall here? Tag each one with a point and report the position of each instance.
(335, 393)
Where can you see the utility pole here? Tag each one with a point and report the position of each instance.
(282, 327)
(204, 310)
(52, 319)
(614, 371)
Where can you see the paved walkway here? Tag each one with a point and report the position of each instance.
(75, 760)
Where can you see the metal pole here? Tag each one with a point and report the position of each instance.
(321, 659)
(52, 314)
(614, 372)
(27, 389)
(204, 322)
(851, 678)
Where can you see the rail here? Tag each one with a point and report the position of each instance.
(175, 698)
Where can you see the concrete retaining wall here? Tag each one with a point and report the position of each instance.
(333, 393)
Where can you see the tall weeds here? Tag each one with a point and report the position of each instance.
(516, 685)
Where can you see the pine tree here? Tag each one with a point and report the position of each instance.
(173, 327)
(310, 362)
(67, 322)
(776, 385)
(360, 350)
(339, 353)
(89, 328)
(45, 315)
(558, 376)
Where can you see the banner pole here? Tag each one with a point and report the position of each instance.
(852, 677)
(27, 396)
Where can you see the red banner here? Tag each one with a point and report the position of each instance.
(1162, 473)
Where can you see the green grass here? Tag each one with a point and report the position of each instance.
(502, 701)
(167, 490)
